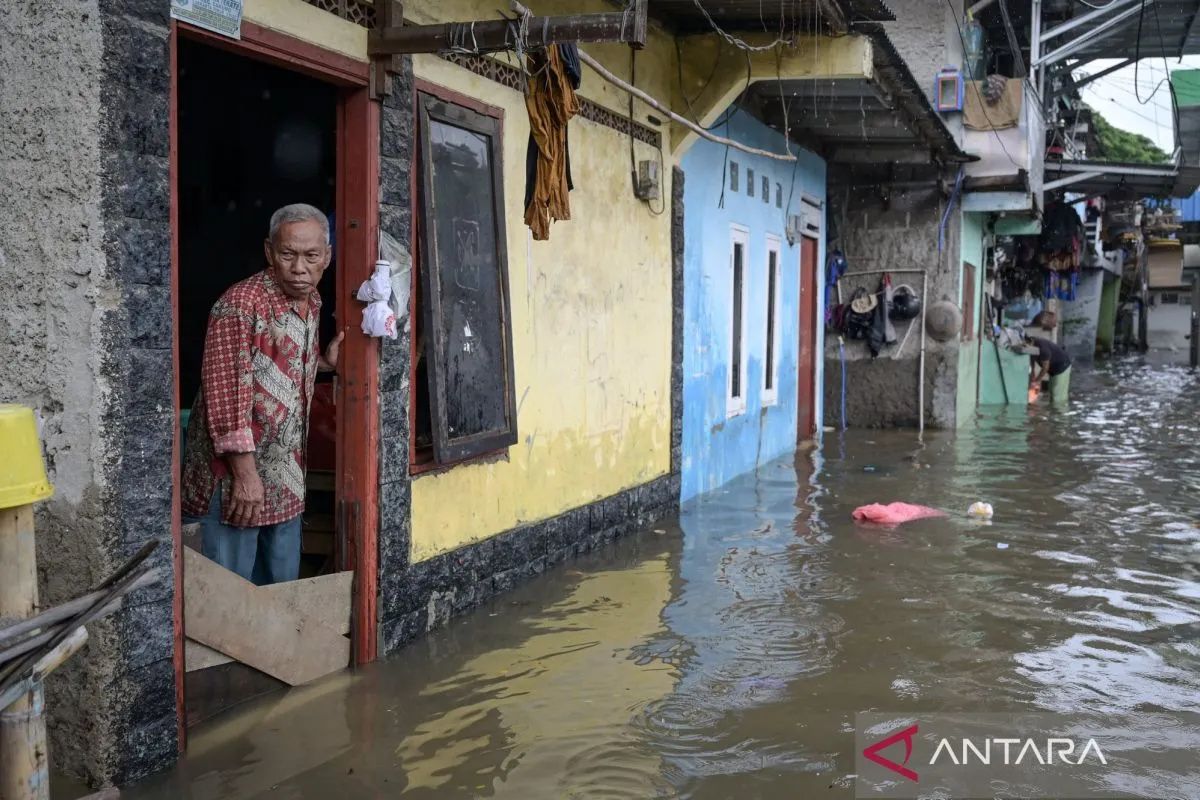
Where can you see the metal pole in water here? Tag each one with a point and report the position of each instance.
(921, 371)
(1195, 338)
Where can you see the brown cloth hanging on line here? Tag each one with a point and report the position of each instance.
(551, 102)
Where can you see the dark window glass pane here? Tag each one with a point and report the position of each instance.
(733, 176)
(766, 189)
(750, 183)
(772, 269)
(779, 195)
(465, 230)
(736, 333)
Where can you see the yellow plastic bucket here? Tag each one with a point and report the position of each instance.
(22, 473)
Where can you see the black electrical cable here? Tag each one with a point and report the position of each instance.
(963, 41)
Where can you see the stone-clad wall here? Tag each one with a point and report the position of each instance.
(135, 96)
(397, 122)
(86, 338)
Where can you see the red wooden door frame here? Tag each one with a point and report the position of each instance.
(806, 401)
(357, 238)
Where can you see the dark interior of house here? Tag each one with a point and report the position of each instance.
(252, 138)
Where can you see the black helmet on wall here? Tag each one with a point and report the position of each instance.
(905, 303)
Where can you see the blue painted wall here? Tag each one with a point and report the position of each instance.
(716, 446)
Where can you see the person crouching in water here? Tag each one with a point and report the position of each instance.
(1051, 361)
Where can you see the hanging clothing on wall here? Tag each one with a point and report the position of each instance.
(551, 102)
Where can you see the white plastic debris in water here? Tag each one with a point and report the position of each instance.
(980, 510)
(1001, 545)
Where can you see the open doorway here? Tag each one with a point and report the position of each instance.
(252, 137)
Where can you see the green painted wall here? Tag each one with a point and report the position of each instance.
(968, 349)
(1016, 377)
(1106, 325)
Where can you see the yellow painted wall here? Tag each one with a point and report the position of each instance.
(309, 24)
(714, 72)
(591, 308)
(591, 312)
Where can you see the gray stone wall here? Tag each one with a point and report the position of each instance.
(900, 232)
(397, 122)
(85, 341)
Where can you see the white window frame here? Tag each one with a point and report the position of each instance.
(770, 396)
(738, 235)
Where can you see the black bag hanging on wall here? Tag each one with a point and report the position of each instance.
(859, 313)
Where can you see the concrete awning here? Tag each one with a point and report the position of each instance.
(683, 17)
(1141, 180)
(880, 117)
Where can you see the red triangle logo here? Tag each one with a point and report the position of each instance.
(906, 735)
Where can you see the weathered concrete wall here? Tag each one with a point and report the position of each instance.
(925, 34)
(1081, 316)
(973, 227)
(718, 444)
(901, 233)
(85, 340)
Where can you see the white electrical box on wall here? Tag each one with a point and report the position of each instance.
(805, 223)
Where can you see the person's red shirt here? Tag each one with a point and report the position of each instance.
(256, 385)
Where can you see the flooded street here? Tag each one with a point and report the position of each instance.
(727, 656)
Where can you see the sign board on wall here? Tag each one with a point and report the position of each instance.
(220, 16)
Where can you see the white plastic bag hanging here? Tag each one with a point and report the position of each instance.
(379, 285)
(379, 320)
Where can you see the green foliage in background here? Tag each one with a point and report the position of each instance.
(1121, 145)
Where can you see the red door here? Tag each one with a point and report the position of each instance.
(805, 401)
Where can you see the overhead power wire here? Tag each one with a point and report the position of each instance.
(733, 40)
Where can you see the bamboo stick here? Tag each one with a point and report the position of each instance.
(65, 649)
(47, 619)
(662, 109)
(24, 770)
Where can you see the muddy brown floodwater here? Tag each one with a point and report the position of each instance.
(726, 655)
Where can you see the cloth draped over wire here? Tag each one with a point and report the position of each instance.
(555, 74)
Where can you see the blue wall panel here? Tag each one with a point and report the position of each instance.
(716, 446)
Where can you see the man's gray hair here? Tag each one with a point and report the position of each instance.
(298, 212)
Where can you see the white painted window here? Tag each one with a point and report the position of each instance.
(739, 239)
(770, 389)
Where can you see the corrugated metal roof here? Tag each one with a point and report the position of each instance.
(1168, 28)
(1186, 83)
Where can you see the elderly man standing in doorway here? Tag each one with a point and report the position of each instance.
(244, 474)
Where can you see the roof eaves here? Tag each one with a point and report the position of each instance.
(895, 77)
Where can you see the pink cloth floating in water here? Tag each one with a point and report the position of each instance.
(894, 513)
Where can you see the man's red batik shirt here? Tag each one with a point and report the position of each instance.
(256, 383)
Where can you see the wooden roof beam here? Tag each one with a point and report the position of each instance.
(482, 36)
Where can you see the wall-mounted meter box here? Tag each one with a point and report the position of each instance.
(948, 89)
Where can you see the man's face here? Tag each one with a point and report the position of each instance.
(298, 257)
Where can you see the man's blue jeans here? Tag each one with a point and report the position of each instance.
(268, 554)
